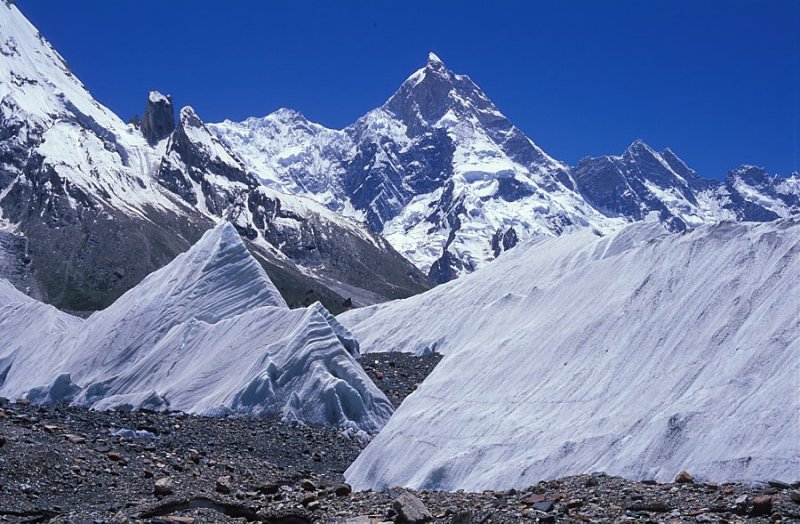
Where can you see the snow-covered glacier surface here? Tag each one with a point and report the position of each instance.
(206, 334)
(638, 353)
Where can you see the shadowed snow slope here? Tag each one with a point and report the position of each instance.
(640, 353)
(207, 334)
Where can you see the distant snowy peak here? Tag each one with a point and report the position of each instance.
(754, 194)
(642, 181)
(639, 182)
(289, 153)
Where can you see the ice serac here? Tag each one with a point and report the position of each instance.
(33, 334)
(209, 333)
(639, 353)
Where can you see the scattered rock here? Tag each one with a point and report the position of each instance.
(762, 505)
(307, 485)
(343, 490)
(684, 478)
(410, 509)
(223, 485)
(533, 498)
(163, 486)
(268, 489)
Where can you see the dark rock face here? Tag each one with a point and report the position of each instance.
(382, 188)
(620, 186)
(446, 268)
(158, 120)
(504, 240)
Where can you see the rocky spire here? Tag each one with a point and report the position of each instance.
(159, 119)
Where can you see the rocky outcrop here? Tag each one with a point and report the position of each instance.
(158, 120)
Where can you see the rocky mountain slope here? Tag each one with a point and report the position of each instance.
(443, 175)
(208, 333)
(639, 353)
(89, 205)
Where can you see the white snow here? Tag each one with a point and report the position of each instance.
(639, 353)
(290, 154)
(155, 97)
(206, 334)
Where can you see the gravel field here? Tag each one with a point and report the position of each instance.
(63, 464)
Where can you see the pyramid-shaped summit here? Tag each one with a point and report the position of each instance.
(209, 334)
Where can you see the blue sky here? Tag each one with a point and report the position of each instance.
(717, 81)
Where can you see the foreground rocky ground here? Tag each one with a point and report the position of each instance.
(71, 465)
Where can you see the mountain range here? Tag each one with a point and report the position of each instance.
(431, 185)
(443, 175)
(90, 205)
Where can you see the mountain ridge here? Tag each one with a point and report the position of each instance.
(117, 201)
(441, 173)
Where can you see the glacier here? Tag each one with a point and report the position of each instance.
(207, 334)
(639, 353)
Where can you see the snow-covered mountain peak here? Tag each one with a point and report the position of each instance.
(434, 60)
(434, 95)
(194, 129)
(751, 175)
(188, 117)
(37, 85)
(640, 147)
(285, 114)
